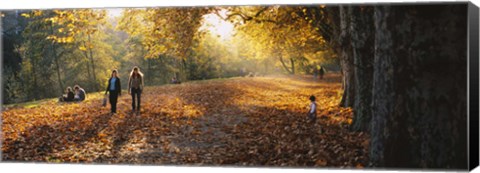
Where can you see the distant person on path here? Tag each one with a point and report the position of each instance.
(321, 72)
(312, 113)
(315, 73)
(243, 71)
(175, 80)
(68, 97)
(80, 94)
(135, 87)
(115, 90)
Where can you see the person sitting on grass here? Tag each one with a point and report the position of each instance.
(80, 94)
(312, 113)
(68, 97)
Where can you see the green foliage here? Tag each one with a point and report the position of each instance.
(62, 48)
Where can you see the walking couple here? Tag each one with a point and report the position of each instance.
(135, 88)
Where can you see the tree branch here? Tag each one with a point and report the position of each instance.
(247, 18)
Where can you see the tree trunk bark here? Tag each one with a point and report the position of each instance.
(292, 63)
(57, 66)
(92, 61)
(35, 81)
(284, 65)
(149, 71)
(362, 35)
(420, 87)
(88, 62)
(33, 92)
(89, 73)
(346, 59)
(184, 68)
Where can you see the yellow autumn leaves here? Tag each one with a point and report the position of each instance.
(70, 25)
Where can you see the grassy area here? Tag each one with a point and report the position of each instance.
(98, 95)
(30, 104)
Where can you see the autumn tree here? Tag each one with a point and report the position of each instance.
(53, 39)
(47, 55)
(281, 33)
(166, 32)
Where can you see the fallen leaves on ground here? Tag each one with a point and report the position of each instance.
(257, 121)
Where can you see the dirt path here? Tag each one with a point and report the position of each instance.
(240, 121)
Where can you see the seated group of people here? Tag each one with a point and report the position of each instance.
(71, 96)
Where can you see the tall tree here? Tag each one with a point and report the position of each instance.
(362, 42)
(167, 31)
(419, 101)
(346, 58)
(89, 22)
(12, 26)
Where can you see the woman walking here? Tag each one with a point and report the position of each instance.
(135, 87)
(115, 90)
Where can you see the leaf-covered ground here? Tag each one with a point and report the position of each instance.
(257, 121)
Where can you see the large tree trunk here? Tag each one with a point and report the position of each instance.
(419, 89)
(346, 59)
(362, 36)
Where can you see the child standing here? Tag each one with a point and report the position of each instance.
(312, 113)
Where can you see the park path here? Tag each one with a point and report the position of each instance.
(256, 121)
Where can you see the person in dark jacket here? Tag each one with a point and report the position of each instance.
(69, 96)
(115, 90)
(321, 72)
